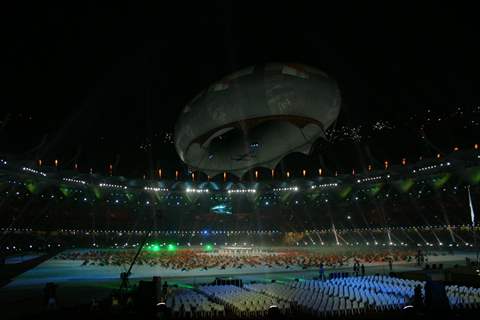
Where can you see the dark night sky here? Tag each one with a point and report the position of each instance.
(90, 84)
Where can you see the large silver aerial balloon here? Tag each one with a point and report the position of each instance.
(256, 116)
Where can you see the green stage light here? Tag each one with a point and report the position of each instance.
(153, 247)
(473, 175)
(65, 191)
(406, 185)
(32, 187)
(97, 192)
(345, 192)
(375, 189)
(208, 247)
(441, 181)
(171, 247)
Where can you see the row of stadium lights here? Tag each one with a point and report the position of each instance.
(232, 191)
(241, 191)
(113, 186)
(34, 171)
(251, 232)
(189, 244)
(238, 191)
(155, 189)
(160, 172)
(368, 179)
(192, 190)
(426, 168)
(74, 180)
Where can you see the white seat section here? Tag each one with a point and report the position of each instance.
(243, 302)
(343, 295)
(334, 297)
(461, 297)
(187, 303)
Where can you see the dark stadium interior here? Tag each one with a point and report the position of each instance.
(232, 160)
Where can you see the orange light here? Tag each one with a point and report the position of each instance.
(56, 163)
(404, 161)
(288, 174)
(225, 176)
(176, 174)
(386, 164)
(256, 174)
(455, 149)
(476, 146)
(193, 176)
(39, 163)
(320, 171)
(438, 155)
(273, 173)
(208, 177)
(369, 167)
(160, 173)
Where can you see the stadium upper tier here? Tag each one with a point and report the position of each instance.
(460, 167)
(429, 192)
